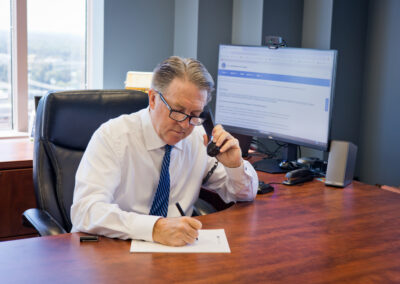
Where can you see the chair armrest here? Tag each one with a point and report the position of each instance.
(214, 199)
(209, 202)
(202, 207)
(43, 222)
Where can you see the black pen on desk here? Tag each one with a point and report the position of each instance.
(182, 213)
(91, 238)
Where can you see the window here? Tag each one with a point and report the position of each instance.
(5, 65)
(55, 46)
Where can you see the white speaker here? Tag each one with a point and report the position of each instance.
(341, 163)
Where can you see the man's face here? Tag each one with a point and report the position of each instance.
(182, 96)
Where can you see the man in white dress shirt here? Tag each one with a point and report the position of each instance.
(119, 173)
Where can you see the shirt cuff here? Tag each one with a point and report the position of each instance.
(143, 227)
(236, 174)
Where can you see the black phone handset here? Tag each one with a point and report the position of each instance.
(212, 148)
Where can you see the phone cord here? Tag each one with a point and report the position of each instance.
(210, 172)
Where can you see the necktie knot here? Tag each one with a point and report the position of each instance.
(168, 148)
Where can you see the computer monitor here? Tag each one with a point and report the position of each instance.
(284, 94)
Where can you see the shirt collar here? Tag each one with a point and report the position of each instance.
(151, 138)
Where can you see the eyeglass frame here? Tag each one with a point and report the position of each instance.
(171, 110)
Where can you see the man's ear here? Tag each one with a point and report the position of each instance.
(152, 98)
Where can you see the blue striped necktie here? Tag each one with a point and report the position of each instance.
(160, 202)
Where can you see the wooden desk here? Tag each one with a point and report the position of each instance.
(16, 153)
(16, 187)
(301, 234)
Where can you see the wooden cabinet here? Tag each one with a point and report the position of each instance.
(16, 187)
(16, 195)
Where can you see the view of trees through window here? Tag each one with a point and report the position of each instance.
(56, 52)
(5, 66)
(55, 63)
(4, 58)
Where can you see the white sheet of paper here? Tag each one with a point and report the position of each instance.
(208, 241)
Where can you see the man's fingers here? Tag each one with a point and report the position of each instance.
(194, 223)
(222, 138)
(188, 230)
(191, 229)
(192, 233)
(216, 129)
(188, 239)
(176, 231)
(231, 143)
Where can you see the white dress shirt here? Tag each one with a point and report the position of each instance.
(119, 172)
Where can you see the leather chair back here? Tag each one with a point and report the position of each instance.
(65, 122)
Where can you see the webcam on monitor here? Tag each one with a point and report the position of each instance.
(275, 42)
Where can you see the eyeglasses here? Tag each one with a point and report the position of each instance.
(181, 116)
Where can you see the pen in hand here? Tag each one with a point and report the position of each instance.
(181, 211)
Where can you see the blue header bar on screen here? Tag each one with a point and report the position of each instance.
(276, 77)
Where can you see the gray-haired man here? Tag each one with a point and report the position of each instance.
(137, 166)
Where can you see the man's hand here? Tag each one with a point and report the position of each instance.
(230, 153)
(176, 231)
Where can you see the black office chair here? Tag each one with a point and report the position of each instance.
(65, 122)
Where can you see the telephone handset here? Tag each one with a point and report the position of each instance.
(212, 148)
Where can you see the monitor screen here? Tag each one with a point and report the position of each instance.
(283, 94)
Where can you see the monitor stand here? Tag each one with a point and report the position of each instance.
(269, 166)
(272, 165)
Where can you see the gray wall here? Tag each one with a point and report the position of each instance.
(380, 121)
(349, 25)
(137, 35)
(215, 28)
(283, 18)
(317, 24)
(186, 28)
(247, 18)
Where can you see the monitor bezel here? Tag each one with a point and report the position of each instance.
(278, 137)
